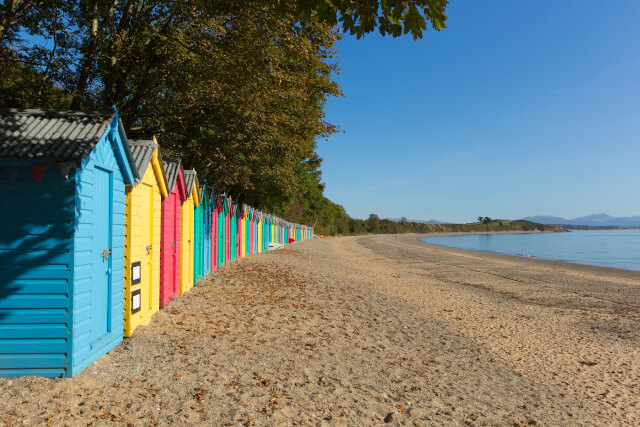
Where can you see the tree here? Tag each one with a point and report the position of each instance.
(359, 17)
(373, 224)
(238, 94)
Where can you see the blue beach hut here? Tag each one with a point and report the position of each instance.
(62, 241)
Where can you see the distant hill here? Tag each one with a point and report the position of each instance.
(419, 221)
(594, 220)
(389, 226)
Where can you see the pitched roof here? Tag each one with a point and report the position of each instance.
(142, 152)
(189, 179)
(204, 192)
(171, 169)
(63, 135)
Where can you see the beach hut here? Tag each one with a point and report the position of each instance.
(282, 232)
(265, 238)
(273, 230)
(142, 243)
(267, 227)
(234, 230)
(227, 230)
(186, 231)
(252, 230)
(214, 230)
(221, 228)
(205, 201)
(261, 232)
(238, 222)
(259, 223)
(243, 240)
(170, 247)
(239, 231)
(276, 221)
(62, 239)
(198, 236)
(247, 230)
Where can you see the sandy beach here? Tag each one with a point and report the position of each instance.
(367, 331)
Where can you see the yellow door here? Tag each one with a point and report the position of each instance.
(192, 244)
(146, 244)
(259, 235)
(185, 258)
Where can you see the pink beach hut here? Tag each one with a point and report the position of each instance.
(170, 237)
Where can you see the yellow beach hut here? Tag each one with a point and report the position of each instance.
(242, 231)
(143, 207)
(187, 242)
(259, 221)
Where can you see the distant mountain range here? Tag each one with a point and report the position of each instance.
(595, 220)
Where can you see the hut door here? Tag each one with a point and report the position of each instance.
(175, 232)
(147, 248)
(101, 286)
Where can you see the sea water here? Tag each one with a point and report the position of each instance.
(607, 248)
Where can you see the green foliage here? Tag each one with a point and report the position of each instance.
(237, 92)
(359, 17)
(386, 226)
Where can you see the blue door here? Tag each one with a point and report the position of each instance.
(101, 286)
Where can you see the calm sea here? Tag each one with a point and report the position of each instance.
(607, 248)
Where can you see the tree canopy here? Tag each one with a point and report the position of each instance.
(235, 88)
(359, 17)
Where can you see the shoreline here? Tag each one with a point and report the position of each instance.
(560, 262)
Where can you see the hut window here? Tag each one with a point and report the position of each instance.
(135, 301)
(135, 273)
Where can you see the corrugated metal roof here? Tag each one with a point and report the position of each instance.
(63, 135)
(171, 169)
(142, 152)
(189, 179)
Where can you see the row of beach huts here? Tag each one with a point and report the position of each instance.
(97, 233)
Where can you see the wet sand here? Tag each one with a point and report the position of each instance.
(363, 331)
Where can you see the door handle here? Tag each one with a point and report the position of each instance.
(149, 249)
(173, 244)
(105, 254)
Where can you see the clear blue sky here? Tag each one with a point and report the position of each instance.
(517, 108)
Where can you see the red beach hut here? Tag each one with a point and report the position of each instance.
(170, 238)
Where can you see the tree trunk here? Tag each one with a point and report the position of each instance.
(87, 61)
